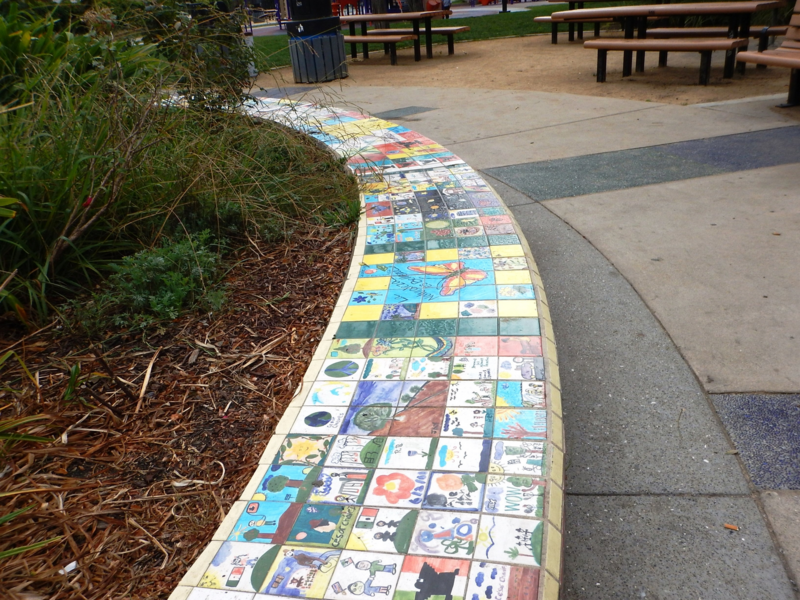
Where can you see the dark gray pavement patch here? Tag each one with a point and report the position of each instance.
(284, 92)
(595, 173)
(766, 432)
(399, 113)
(635, 417)
(671, 549)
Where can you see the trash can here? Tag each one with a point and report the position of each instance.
(316, 44)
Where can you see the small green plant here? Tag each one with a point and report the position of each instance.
(20, 549)
(154, 285)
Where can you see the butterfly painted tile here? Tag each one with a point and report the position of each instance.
(461, 421)
(516, 495)
(467, 455)
(397, 488)
(408, 453)
(455, 491)
(364, 574)
(522, 540)
(355, 451)
(478, 295)
(518, 457)
(442, 533)
(382, 530)
(412, 295)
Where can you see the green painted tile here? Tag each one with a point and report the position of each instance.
(405, 246)
(356, 329)
(471, 242)
(503, 240)
(523, 326)
(379, 249)
(492, 211)
(396, 329)
(477, 327)
(442, 244)
(439, 327)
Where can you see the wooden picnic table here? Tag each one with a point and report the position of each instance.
(576, 4)
(738, 14)
(415, 17)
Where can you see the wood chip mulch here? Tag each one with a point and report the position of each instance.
(156, 436)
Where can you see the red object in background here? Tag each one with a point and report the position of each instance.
(433, 5)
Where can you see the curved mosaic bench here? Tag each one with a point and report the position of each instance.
(422, 458)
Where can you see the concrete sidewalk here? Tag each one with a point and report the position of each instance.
(667, 251)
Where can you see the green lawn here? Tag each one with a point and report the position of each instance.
(274, 52)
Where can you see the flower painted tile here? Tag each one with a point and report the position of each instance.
(397, 488)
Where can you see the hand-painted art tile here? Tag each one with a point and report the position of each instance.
(455, 491)
(265, 522)
(383, 530)
(408, 453)
(384, 369)
(391, 347)
(514, 457)
(460, 421)
(350, 348)
(367, 297)
(334, 485)
(334, 369)
(394, 312)
(510, 540)
(516, 495)
(448, 534)
(208, 594)
(515, 292)
(323, 525)
(476, 346)
(287, 483)
(432, 367)
(522, 345)
(432, 346)
(365, 574)
(301, 572)
(377, 392)
(424, 393)
(397, 488)
(331, 393)
(417, 422)
(478, 294)
(319, 420)
(510, 263)
(493, 581)
(374, 419)
(410, 257)
(474, 252)
(240, 566)
(306, 450)
(369, 271)
(432, 578)
(519, 394)
(477, 308)
(510, 423)
(348, 451)
(521, 367)
(466, 455)
(471, 393)
(474, 367)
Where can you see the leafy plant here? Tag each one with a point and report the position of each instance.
(20, 549)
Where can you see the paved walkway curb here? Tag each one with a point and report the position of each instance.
(440, 351)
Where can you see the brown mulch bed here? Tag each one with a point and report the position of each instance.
(135, 484)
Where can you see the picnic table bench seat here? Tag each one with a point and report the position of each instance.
(554, 23)
(450, 32)
(704, 46)
(786, 55)
(389, 42)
